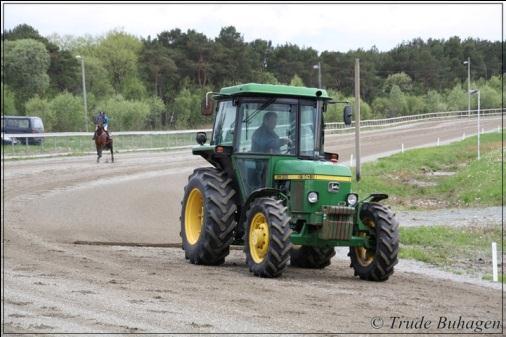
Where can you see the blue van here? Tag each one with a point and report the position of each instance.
(23, 124)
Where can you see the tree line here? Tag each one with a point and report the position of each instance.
(159, 82)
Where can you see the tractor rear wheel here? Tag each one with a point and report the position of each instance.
(311, 257)
(377, 262)
(208, 217)
(267, 238)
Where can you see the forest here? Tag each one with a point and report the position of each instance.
(158, 82)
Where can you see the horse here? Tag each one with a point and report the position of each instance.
(103, 142)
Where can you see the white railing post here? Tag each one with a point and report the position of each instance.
(494, 262)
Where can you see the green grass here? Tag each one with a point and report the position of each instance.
(409, 179)
(488, 277)
(457, 249)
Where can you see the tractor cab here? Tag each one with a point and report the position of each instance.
(280, 186)
(265, 125)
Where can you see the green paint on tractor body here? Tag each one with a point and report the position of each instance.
(273, 89)
(293, 175)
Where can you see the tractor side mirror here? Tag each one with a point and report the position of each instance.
(207, 105)
(201, 138)
(347, 113)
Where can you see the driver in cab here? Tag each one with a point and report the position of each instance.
(264, 139)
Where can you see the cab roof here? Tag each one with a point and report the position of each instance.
(273, 90)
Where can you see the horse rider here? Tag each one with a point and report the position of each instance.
(101, 118)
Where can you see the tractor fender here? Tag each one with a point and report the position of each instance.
(374, 198)
(261, 192)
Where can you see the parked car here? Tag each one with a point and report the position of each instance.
(23, 124)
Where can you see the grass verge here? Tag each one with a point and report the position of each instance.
(437, 177)
(461, 250)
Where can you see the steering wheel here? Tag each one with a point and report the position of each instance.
(290, 146)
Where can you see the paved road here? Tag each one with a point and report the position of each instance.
(52, 285)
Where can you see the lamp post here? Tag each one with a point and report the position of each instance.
(79, 57)
(468, 62)
(319, 67)
(477, 92)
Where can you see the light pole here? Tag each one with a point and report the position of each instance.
(477, 92)
(79, 57)
(319, 67)
(468, 62)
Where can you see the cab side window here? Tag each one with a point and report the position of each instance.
(224, 124)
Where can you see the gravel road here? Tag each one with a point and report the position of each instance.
(52, 285)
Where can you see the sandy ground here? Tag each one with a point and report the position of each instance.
(52, 285)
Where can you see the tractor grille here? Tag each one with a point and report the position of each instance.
(337, 223)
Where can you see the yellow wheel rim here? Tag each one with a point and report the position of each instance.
(258, 237)
(365, 256)
(194, 216)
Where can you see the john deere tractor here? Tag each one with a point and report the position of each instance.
(274, 189)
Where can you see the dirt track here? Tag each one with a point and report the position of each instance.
(53, 285)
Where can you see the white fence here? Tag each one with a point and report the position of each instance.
(387, 122)
(328, 126)
(57, 143)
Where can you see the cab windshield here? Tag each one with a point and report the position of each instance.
(270, 126)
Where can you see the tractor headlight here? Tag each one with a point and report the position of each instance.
(351, 199)
(312, 197)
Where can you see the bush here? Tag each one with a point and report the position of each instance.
(297, 81)
(133, 89)
(68, 112)
(157, 113)
(25, 64)
(265, 77)
(416, 105)
(489, 98)
(457, 99)
(397, 102)
(435, 102)
(402, 80)
(187, 106)
(380, 106)
(125, 115)
(39, 107)
(9, 101)
(97, 78)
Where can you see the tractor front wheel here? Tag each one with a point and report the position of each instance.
(267, 241)
(311, 257)
(377, 262)
(208, 217)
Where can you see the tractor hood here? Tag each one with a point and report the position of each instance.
(310, 169)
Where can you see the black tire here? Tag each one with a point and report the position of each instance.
(278, 248)
(383, 256)
(311, 257)
(219, 212)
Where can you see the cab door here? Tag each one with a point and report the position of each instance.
(266, 129)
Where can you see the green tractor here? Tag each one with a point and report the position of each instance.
(274, 189)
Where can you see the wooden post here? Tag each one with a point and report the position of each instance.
(357, 118)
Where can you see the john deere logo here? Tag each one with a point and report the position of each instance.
(333, 186)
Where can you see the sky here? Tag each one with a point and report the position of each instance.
(336, 27)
